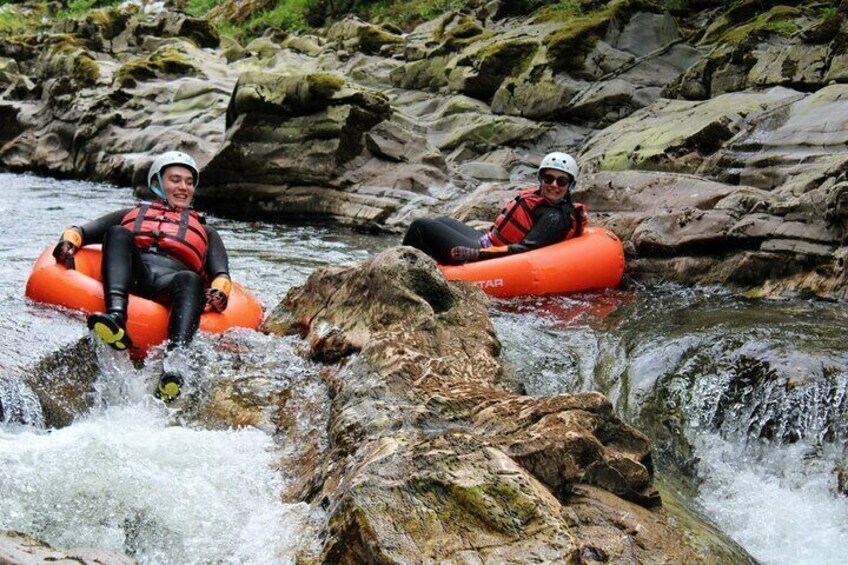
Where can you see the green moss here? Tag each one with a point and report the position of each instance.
(86, 70)
(164, 62)
(76, 8)
(289, 15)
(372, 39)
(407, 15)
(63, 43)
(324, 85)
(109, 22)
(558, 12)
(568, 46)
(779, 20)
(15, 21)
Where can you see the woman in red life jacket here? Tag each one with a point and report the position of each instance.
(160, 250)
(533, 219)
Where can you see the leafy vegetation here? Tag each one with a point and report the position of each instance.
(77, 8)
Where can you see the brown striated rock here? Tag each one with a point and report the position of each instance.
(435, 454)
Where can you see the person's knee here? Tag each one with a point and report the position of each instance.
(415, 232)
(188, 281)
(117, 233)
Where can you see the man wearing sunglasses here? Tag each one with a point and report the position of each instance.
(535, 218)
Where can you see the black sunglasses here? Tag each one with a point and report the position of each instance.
(560, 181)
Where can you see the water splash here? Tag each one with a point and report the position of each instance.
(126, 480)
(777, 501)
(19, 404)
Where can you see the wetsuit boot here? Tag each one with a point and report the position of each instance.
(119, 260)
(111, 327)
(170, 387)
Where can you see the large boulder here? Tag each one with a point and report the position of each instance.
(435, 454)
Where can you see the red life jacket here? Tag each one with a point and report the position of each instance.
(178, 234)
(516, 219)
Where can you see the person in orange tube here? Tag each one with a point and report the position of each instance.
(535, 218)
(161, 250)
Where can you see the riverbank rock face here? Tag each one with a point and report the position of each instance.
(314, 145)
(435, 454)
(372, 127)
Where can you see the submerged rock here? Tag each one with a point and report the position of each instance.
(21, 549)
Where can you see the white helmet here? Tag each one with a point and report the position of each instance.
(164, 161)
(560, 162)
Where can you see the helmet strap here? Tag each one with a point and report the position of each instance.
(158, 190)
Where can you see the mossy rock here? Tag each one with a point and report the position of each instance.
(165, 62)
(747, 18)
(780, 20)
(490, 65)
(426, 74)
(372, 39)
(287, 96)
(86, 71)
(458, 31)
(324, 85)
(569, 45)
(109, 22)
(65, 56)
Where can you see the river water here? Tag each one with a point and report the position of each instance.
(714, 368)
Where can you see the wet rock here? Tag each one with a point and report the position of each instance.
(348, 172)
(792, 148)
(63, 382)
(21, 549)
(354, 34)
(434, 452)
(674, 135)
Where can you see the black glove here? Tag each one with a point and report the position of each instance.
(216, 300)
(64, 252)
(465, 254)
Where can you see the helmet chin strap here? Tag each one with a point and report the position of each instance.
(158, 190)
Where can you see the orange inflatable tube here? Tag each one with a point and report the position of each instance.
(595, 260)
(147, 321)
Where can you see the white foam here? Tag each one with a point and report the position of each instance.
(779, 502)
(125, 480)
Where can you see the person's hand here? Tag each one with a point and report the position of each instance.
(68, 245)
(465, 254)
(217, 296)
(216, 300)
(63, 251)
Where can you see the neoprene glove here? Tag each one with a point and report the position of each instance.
(67, 246)
(217, 296)
(465, 254)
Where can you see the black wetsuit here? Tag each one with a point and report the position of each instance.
(154, 274)
(436, 236)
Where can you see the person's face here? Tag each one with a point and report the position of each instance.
(554, 184)
(179, 186)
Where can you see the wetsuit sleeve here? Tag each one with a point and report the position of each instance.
(93, 231)
(217, 262)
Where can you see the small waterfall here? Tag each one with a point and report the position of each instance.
(749, 398)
